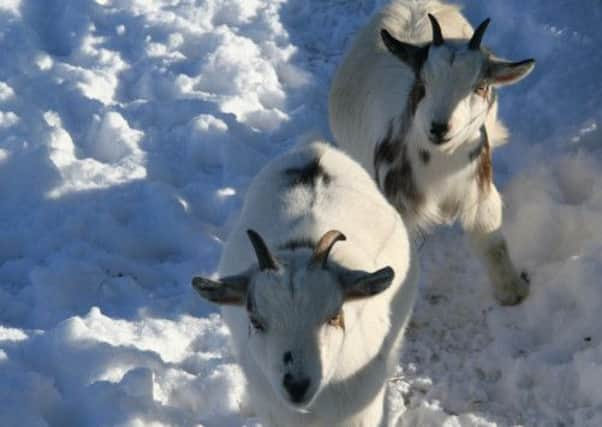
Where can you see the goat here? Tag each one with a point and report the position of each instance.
(420, 112)
(316, 325)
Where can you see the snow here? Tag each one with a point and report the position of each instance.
(129, 131)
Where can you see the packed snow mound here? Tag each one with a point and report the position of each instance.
(129, 131)
(94, 370)
(465, 356)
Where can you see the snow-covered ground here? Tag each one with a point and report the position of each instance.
(129, 130)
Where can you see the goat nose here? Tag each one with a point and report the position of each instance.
(296, 388)
(439, 129)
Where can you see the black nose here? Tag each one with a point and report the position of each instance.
(438, 131)
(296, 388)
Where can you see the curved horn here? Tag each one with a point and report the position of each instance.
(475, 41)
(437, 35)
(322, 250)
(264, 257)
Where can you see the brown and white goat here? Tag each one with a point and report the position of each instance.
(415, 102)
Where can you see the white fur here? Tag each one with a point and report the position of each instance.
(368, 97)
(351, 366)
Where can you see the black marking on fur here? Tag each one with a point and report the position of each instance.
(287, 358)
(416, 94)
(309, 174)
(484, 136)
(250, 303)
(293, 245)
(425, 156)
(399, 185)
(385, 152)
(411, 55)
(476, 152)
(390, 147)
(400, 178)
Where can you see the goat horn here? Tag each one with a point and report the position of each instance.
(264, 257)
(437, 35)
(475, 41)
(323, 247)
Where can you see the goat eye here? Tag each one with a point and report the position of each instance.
(257, 324)
(481, 90)
(337, 320)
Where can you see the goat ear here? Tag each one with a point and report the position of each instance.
(502, 73)
(231, 290)
(360, 284)
(413, 56)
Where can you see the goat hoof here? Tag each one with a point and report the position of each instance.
(525, 276)
(514, 292)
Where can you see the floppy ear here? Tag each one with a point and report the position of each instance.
(413, 56)
(231, 290)
(360, 284)
(502, 73)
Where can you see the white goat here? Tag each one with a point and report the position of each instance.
(316, 332)
(420, 112)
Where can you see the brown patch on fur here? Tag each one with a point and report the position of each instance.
(492, 97)
(482, 90)
(338, 320)
(449, 208)
(484, 172)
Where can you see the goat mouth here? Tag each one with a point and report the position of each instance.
(300, 407)
(439, 141)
